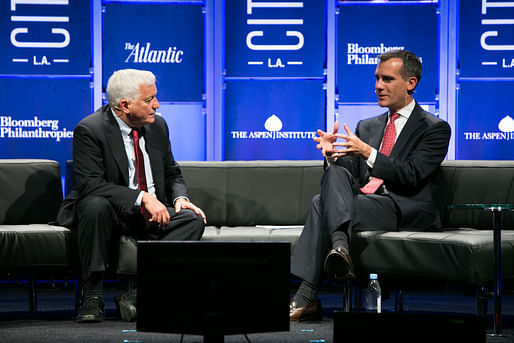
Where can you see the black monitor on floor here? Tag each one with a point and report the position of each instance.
(213, 288)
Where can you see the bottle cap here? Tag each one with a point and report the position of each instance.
(373, 276)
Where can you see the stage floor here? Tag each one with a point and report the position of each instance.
(53, 322)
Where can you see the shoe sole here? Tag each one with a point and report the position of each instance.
(90, 319)
(335, 263)
(339, 266)
(88, 314)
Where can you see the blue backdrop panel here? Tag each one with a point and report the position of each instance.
(186, 123)
(351, 114)
(42, 127)
(485, 128)
(166, 39)
(45, 39)
(486, 39)
(270, 120)
(366, 31)
(275, 41)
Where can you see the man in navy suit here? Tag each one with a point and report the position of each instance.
(128, 182)
(382, 177)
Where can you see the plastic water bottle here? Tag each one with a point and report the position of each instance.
(372, 296)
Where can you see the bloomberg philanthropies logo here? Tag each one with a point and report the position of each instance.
(32, 128)
(273, 125)
(357, 54)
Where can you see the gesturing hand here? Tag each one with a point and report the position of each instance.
(326, 141)
(352, 145)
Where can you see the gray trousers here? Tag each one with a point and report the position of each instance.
(339, 206)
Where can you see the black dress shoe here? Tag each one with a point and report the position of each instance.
(126, 305)
(308, 312)
(92, 311)
(340, 264)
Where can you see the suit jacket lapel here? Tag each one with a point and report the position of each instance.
(116, 143)
(376, 138)
(154, 154)
(411, 126)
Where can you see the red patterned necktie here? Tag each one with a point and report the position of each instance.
(387, 145)
(140, 162)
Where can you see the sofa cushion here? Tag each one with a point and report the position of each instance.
(34, 247)
(461, 256)
(256, 233)
(249, 193)
(127, 262)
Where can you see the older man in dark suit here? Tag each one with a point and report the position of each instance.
(127, 180)
(383, 177)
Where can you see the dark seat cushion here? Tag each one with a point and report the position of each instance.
(460, 256)
(249, 193)
(127, 263)
(36, 246)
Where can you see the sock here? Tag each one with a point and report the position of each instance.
(306, 294)
(94, 284)
(132, 287)
(340, 239)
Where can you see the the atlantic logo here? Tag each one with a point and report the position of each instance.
(356, 54)
(506, 127)
(32, 128)
(273, 125)
(142, 53)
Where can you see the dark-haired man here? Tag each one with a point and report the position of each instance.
(382, 177)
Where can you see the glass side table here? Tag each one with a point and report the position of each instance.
(496, 210)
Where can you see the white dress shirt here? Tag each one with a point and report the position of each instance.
(399, 123)
(128, 141)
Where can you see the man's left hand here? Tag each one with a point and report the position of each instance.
(184, 203)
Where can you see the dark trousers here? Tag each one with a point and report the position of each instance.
(98, 223)
(339, 206)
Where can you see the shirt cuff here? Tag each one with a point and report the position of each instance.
(180, 197)
(331, 160)
(139, 198)
(372, 158)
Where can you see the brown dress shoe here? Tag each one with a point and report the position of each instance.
(309, 312)
(340, 264)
